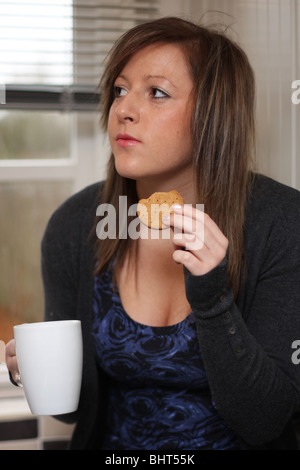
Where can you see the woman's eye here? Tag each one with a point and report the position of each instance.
(119, 91)
(157, 93)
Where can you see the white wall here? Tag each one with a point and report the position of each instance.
(269, 31)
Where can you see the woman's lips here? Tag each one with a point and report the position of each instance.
(125, 140)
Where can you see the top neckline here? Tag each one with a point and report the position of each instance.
(155, 329)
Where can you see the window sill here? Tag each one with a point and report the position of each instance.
(13, 404)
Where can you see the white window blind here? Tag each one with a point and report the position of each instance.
(52, 51)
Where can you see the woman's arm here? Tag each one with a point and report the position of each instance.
(254, 383)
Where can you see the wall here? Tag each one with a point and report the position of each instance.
(269, 31)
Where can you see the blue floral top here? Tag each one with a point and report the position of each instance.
(159, 397)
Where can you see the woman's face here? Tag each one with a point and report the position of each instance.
(149, 120)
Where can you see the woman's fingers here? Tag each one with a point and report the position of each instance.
(192, 220)
(11, 358)
(191, 262)
(189, 241)
(204, 244)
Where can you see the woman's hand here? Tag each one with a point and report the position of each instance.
(11, 360)
(204, 244)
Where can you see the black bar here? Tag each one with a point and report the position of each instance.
(51, 98)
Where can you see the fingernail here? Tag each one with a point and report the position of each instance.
(176, 207)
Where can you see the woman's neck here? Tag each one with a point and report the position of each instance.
(147, 187)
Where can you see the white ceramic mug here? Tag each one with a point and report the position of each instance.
(49, 357)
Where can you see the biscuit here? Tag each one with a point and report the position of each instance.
(151, 211)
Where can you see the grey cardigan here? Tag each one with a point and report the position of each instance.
(246, 344)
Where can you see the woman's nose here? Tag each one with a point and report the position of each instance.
(128, 109)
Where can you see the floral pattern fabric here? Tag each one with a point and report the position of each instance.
(159, 397)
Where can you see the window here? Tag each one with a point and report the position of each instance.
(51, 55)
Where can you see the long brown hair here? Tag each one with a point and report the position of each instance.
(222, 128)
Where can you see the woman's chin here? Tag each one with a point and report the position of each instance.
(132, 172)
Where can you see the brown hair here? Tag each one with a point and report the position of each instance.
(222, 128)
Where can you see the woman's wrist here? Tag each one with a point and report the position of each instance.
(209, 294)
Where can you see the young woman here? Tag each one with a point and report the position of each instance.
(183, 348)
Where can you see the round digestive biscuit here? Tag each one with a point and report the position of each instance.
(158, 205)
